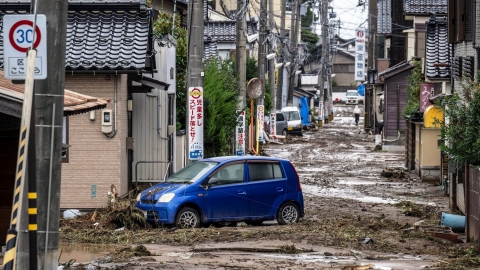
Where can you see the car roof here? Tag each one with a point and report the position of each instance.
(240, 158)
(289, 109)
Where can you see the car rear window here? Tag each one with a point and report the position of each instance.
(265, 171)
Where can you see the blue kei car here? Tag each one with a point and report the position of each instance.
(226, 189)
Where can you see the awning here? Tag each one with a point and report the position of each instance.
(11, 99)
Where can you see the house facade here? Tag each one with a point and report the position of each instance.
(112, 54)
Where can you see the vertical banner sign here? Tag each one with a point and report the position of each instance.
(273, 124)
(17, 39)
(261, 120)
(320, 110)
(427, 90)
(195, 122)
(240, 135)
(360, 54)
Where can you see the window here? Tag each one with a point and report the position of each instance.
(265, 171)
(292, 116)
(460, 17)
(280, 117)
(65, 140)
(344, 68)
(230, 174)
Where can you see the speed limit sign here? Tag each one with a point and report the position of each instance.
(18, 37)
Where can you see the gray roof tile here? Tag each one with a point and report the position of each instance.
(384, 18)
(425, 6)
(437, 49)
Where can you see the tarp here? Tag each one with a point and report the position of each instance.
(361, 90)
(304, 111)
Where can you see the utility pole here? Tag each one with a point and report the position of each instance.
(49, 99)
(241, 59)
(294, 36)
(261, 49)
(271, 71)
(282, 56)
(323, 61)
(195, 58)
(372, 23)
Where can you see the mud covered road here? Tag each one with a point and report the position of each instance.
(356, 217)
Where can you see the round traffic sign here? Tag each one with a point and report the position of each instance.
(21, 35)
(195, 93)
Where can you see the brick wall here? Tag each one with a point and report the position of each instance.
(95, 159)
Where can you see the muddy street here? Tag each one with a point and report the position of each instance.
(362, 211)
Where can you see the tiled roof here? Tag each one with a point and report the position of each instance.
(221, 28)
(74, 103)
(101, 34)
(437, 49)
(226, 31)
(384, 16)
(395, 69)
(107, 40)
(210, 47)
(425, 6)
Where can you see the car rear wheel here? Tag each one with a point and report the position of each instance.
(187, 218)
(288, 214)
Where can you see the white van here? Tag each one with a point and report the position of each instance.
(352, 97)
(294, 121)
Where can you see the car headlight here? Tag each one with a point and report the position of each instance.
(167, 197)
(138, 196)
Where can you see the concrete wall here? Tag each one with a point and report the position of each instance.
(95, 159)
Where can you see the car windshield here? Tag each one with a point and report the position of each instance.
(291, 116)
(191, 173)
(352, 94)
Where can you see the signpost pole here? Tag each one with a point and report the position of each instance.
(11, 251)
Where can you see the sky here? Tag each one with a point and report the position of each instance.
(351, 16)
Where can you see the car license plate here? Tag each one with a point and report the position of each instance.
(350, 101)
(290, 128)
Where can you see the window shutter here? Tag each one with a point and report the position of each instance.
(467, 66)
(460, 20)
(457, 67)
(451, 21)
(468, 15)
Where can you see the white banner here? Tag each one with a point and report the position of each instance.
(261, 121)
(273, 124)
(195, 122)
(240, 135)
(360, 54)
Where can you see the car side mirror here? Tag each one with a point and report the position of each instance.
(212, 181)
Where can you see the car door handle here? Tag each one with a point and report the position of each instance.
(279, 189)
(242, 192)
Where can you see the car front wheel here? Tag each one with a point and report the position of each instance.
(187, 218)
(288, 214)
(284, 132)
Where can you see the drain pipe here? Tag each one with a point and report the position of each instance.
(474, 34)
(114, 108)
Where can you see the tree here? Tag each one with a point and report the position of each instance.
(161, 27)
(307, 35)
(412, 106)
(460, 134)
(220, 110)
